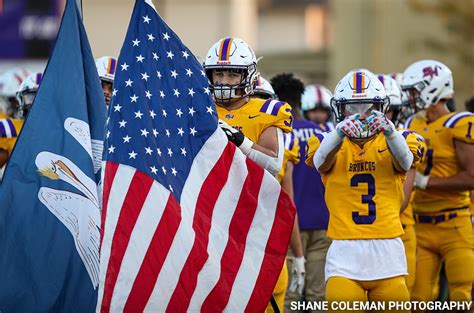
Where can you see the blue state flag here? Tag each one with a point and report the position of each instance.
(49, 200)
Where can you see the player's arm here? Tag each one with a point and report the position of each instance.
(322, 150)
(402, 156)
(464, 180)
(287, 185)
(463, 136)
(408, 188)
(298, 267)
(267, 152)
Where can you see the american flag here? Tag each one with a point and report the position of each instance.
(189, 224)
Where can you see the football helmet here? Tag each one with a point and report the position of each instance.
(235, 55)
(316, 96)
(106, 67)
(27, 93)
(427, 82)
(10, 81)
(359, 92)
(263, 89)
(395, 95)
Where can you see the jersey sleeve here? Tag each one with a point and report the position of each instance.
(416, 144)
(463, 128)
(279, 114)
(313, 145)
(292, 148)
(9, 128)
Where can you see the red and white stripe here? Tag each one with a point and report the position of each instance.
(220, 249)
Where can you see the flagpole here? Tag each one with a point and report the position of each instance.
(79, 6)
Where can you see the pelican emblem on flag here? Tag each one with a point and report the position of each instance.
(78, 211)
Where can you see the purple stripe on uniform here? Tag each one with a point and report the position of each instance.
(320, 137)
(225, 47)
(39, 78)
(12, 127)
(406, 133)
(277, 107)
(292, 142)
(3, 131)
(408, 122)
(113, 64)
(458, 119)
(359, 82)
(265, 106)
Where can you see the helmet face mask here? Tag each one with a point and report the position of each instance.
(27, 93)
(227, 56)
(359, 92)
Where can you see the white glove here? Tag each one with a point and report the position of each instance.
(350, 126)
(237, 137)
(378, 122)
(421, 181)
(298, 273)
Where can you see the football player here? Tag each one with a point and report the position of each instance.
(441, 201)
(11, 127)
(106, 67)
(309, 198)
(264, 90)
(254, 125)
(363, 164)
(9, 83)
(315, 103)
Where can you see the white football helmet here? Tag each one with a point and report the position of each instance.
(397, 105)
(263, 89)
(359, 92)
(232, 54)
(27, 92)
(106, 67)
(316, 96)
(430, 80)
(10, 81)
(398, 77)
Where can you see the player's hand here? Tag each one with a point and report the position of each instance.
(298, 273)
(421, 181)
(234, 135)
(350, 126)
(378, 122)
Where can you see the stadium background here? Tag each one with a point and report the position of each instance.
(319, 40)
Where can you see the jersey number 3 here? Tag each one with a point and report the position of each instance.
(366, 199)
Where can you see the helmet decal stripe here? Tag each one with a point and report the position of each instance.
(319, 95)
(358, 82)
(381, 79)
(225, 49)
(111, 66)
(18, 79)
(39, 78)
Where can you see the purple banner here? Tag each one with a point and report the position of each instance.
(28, 28)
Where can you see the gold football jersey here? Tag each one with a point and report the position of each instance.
(9, 130)
(257, 115)
(406, 217)
(440, 159)
(364, 191)
(292, 153)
